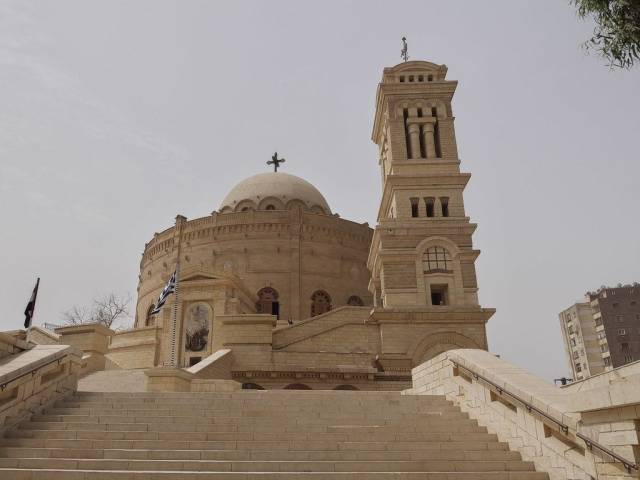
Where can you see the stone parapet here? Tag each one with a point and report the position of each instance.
(169, 379)
(93, 339)
(11, 344)
(34, 379)
(215, 366)
(543, 422)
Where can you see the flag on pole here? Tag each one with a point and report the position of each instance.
(169, 288)
(31, 306)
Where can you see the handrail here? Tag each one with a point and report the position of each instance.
(590, 443)
(32, 371)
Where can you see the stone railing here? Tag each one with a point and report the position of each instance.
(10, 344)
(213, 374)
(33, 379)
(546, 424)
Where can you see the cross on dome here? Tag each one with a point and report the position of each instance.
(275, 161)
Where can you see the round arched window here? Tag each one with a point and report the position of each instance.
(437, 259)
(270, 207)
(320, 303)
(355, 301)
(268, 301)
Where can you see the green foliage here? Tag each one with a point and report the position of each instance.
(617, 33)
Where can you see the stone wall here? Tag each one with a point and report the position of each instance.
(133, 348)
(531, 415)
(11, 344)
(33, 379)
(294, 252)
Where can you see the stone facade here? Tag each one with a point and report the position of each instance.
(304, 298)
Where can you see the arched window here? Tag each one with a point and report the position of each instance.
(252, 386)
(197, 328)
(437, 259)
(429, 203)
(270, 207)
(444, 202)
(268, 302)
(346, 387)
(150, 319)
(297, 386)
(355, 301)
(414, 207)
(320, 303)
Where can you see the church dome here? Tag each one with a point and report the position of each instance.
(274, 191)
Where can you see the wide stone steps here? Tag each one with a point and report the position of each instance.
(257, 434)
(64, 451)
(49, 474)
(268, 466)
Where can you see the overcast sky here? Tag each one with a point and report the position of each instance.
(117, 115)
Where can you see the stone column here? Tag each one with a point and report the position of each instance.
(414, 140)
(429, 142)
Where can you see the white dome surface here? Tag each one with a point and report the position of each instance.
(283, 186)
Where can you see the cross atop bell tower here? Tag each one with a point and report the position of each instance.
(422, 256)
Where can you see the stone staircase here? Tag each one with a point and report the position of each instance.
(257, 434)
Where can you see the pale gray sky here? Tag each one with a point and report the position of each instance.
(117, 115)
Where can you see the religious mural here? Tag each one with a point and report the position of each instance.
(197, 328)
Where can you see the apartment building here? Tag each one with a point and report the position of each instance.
(603, 332)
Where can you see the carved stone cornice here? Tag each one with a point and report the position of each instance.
(435, 314)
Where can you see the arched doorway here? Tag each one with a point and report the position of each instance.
(320, 303)
(298, 386)
(268, 302)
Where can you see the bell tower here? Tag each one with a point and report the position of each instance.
(422, 258)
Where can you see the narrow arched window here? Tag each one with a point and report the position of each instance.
(414, 207)
(320, 303)
(429, 203)
(355, 301)
(270, 207)
(268, 302)
(437, 259)
(150, 319)
(444, 202)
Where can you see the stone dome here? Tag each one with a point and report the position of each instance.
(274, 191)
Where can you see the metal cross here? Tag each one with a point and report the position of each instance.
(275, 161)
(404, 52)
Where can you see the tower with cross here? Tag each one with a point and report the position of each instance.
(275, 161)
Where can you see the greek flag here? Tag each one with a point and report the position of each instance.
(166, 291)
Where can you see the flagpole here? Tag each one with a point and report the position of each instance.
(33, 312)
(180, 220)
(175, 313)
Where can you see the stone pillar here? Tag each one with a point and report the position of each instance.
(429, 142)
(414, 140)
(295, 282)
(93, 339)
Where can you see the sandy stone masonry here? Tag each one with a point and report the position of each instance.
(605, 410)
(306, 299)
(250, 434)
(33, 378)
